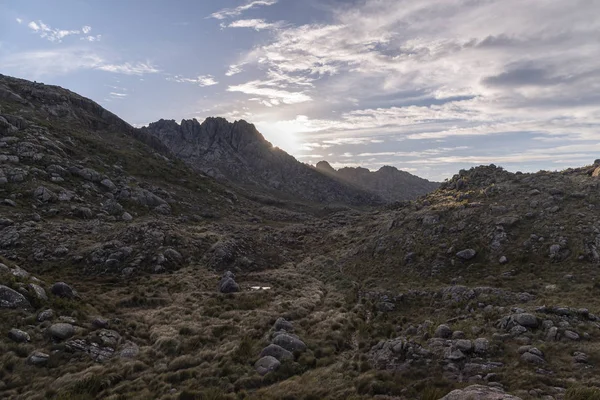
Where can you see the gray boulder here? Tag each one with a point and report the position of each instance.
(479, 392)
(481, 345)
(38, 358)
(443, 331)
(266, 365)
(289, 342)
(527, 320)
(44, 195)
(12, 299)
(61, 331)
(276, 351)
(466, 254)
(45, 315)
(61, 289)
(19, 336)
(283, 325)
(38, 291)
(228, 284)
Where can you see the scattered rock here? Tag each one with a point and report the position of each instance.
(45, 315)
(45, 195)
(571, 335)
(527, 320)
(38, 291)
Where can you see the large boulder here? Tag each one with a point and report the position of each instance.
(19, 336)
(479, 392)
(12, 299)
(276, 351)
(283, 325)
(61, 331)
(527, 320)
(266, 365)
(61, 289)
(227, 284)
(289, 342)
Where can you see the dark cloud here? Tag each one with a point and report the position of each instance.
(526, 76)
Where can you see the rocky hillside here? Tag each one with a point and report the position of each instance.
(126, 274)
(388, 182)
(239, 153)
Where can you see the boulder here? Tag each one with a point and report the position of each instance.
(276, 351)
(19, 336)
(466, 254)
(289, 342)
(443, 331)
(38, 358)
(266, 364)
(45, 315)
(61, 289)
(481, 345)
(283, 325)
(44, 195)
(479, 392)
(12, 299)
(61, 331)
(227, 283)
(527, 320)
(38, 291)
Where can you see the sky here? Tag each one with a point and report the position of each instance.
(427, 86)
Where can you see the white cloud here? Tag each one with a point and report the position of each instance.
(36, 64)
(234, 69)
(19, 20)
(273, 94)
(116, 95)
(233, 12)
(202, 80)
(130, 68)
(57, 35)
(92, 38)
(256, 24)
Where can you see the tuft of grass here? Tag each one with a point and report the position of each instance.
(582, 393)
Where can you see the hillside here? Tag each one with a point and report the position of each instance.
(127, 274)
(388, 182)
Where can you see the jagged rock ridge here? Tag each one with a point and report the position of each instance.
(238, 152)
(388, 182)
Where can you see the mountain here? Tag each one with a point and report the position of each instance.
(239, 153)
(127, 274)
(388, 182)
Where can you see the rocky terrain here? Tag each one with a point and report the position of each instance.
(239, 153)
(127, 274)
(388, 182)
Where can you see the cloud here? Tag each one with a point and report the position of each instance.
(128, 68)
(116, 95)
(19, 20)
(36, 64)
(233, 12)
(202, 80)
(256, 24)
(267, 90)
(234, 69)
(92, 38)
(57, 35)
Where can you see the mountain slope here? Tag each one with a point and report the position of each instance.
(238, 152)
(388, 182)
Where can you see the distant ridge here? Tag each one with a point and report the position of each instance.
(388, 182)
